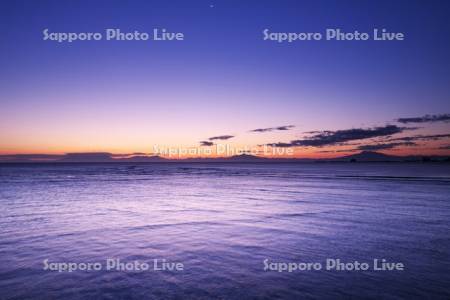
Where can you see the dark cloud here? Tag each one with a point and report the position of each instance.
(336, 151)
(280, 145)
(433, 137)
(329, 138)
(282, 128)
(120, 155)
(371, 147)
(317, 131)
(206, 143)
(80, 157)
(68, 157)
(30, 157)
(447, 147)
(88, 156)
(384, 146)
(426, 119)
(221, 137)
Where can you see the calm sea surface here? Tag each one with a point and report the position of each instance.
(222, 221)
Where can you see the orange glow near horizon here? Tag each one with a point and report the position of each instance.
(184, 152)
(120, 142)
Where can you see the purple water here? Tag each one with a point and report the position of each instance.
(221, 221)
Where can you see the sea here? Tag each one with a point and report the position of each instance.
(225, 231)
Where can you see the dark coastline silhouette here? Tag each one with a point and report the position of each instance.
(105, 157)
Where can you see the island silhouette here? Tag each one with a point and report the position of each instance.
(105, 157)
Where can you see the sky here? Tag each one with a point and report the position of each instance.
(223, 79)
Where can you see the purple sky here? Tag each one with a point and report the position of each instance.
(223, 79)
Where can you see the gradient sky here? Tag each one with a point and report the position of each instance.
(126, 96)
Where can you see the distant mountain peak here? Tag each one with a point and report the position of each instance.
(245, 156)
(370, 156)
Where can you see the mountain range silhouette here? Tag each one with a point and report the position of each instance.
(105, 157)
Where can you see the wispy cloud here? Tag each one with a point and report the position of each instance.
(336, 151)
(384, 146)
(81, 156)
(433, 137)
(330, 138)
(221, 137)
(30, 157)
(206, 143)
(120, 155)
(426, 119)
(78, 157)
(281, 128)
